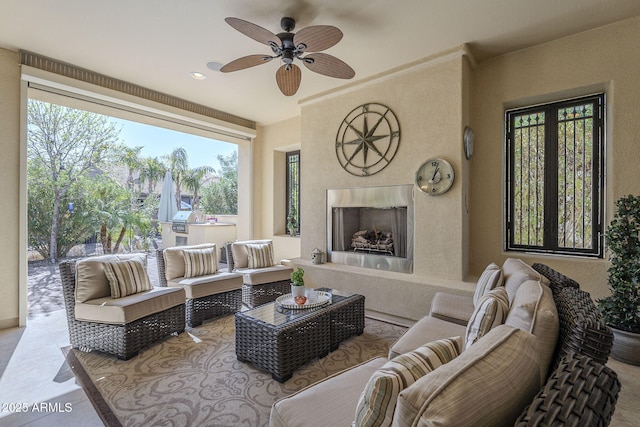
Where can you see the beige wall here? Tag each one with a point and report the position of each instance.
(12, 260)
(604, 59)
(269, 182)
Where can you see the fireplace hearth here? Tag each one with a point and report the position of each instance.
(371, 227)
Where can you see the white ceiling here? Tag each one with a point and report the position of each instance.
(158, 43)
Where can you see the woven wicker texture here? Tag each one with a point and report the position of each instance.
(124, 341)
(204, 308)
(581, 392)
(255, 295)
(558, 280)
(282, 348)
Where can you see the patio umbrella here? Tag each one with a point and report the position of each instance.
(168, 207)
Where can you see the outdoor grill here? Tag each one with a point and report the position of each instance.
(181, 220)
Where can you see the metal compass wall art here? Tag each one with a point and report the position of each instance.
(367, 139)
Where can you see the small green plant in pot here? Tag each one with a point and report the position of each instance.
(297, 283)
(621, 309)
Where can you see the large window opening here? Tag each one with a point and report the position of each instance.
(555, 177)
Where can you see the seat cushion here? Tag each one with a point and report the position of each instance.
(489, 384)
(330, 402)
(533, 310)
(490, 278)
(424, 331)
(212, 284)
(260, 276)
(490, 312)
(200, 262)
(240, 254)
(378, 400)
(91, 282)
(174, 259)
(118, 311)
(127, 277)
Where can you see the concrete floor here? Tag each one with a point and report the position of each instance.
(33, 370)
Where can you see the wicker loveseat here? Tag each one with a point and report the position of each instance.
(261, 284)
(120, 326)
(496, 381)
(209, 295)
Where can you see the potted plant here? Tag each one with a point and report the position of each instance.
(297, 284)
(621, 309)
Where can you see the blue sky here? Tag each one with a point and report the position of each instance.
(157, 142)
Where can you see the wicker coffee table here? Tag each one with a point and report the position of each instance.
(280, 340)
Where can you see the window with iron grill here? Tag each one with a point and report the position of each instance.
(293, 191)
(555, 177)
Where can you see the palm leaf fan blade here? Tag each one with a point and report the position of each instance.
(245, 62)
(328, 65)
(288, 78)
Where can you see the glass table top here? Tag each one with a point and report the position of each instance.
(272, 313)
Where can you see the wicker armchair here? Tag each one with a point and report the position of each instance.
(123, 340)
(207, 297)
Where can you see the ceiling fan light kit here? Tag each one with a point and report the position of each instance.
(288, 47)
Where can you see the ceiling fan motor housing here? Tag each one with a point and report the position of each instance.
(287, 24)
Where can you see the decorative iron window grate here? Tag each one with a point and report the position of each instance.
(293, 191)
(556, 177)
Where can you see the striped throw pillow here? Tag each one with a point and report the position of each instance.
(126, 277)
(491, 278)
(200, 262)
(260, 255)
(492, 310)
(378, 400)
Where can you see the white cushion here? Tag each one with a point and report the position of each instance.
(490, 312)
(211, 284)
(174, 259)
(490, 278)
(91, 282)
(260, 255)
(378, 400)
(239, 252)
(425, 330)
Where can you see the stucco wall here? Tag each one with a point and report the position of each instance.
(269, 182)
(11, 259)
(604, 59)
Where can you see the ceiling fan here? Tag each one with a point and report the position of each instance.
(304, 45)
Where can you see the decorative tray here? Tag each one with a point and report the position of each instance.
(287, 301)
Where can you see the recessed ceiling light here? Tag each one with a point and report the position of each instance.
(214, 65)
(198, 76)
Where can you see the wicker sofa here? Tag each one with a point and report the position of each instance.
(119, 326)
(504, 378)
(262, 284)
(210, 295)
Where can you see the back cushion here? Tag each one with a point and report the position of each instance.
(533, 310)
(127, 277)
(260, 255)
(378, 400)
(490, 278)
(240, 254)
(200, 262)
(91, 281)
(516, 272)
(174, 259)
(487, 385)
(490, 312)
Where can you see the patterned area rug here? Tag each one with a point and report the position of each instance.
(194, 379)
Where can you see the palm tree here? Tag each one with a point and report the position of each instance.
(130, 157)
(193, 181)
(178, 165)
(152, 170)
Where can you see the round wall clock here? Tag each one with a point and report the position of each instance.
(467, 142)
(367, 139)
(435, 177)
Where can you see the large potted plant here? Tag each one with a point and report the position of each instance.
(621, 309)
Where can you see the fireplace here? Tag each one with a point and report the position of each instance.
(371, 227)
